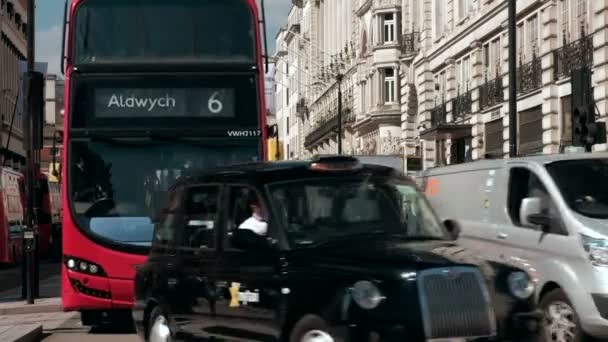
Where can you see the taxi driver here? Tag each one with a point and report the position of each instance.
(256, 222)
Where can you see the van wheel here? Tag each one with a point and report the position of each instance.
(158, 327)
(311, 328)
(560, 322)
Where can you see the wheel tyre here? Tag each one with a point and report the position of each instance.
(157, 322)
(554, 300)
(311, 328)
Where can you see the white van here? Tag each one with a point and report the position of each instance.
(548, 212)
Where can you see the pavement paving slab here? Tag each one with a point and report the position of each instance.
(41, 305)
(31, 327)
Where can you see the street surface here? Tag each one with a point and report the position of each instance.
(58, 326)
(72, 330)
(50, 281)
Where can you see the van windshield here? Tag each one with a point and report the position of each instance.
(329, 209)
(583, 184)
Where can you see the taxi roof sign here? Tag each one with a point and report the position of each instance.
(335, 163)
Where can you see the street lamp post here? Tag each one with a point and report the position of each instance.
(339, 78)
(512, 79)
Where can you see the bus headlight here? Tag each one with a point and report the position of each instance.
(366, 294)
(83, 266)
(520, 285)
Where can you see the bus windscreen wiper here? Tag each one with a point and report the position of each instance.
(116, 141)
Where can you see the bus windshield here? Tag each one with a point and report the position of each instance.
(144, 31)
(117, 189)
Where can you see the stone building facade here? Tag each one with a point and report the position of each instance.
(13, 51)
(428, 79)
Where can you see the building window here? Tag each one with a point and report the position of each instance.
(287, 125)
(532, 37)
(491, 58)
(389, 28)
(439, 24)
(389, 85)
(573, 19)
(464, 74)
(465, 6)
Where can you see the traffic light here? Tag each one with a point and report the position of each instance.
(586, 131)
(580, 119)
(273, 131)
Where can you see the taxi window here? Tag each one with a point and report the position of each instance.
(363, 207)
(242, 215)
(319, 209)
(200, 216)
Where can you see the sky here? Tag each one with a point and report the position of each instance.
(49, 14)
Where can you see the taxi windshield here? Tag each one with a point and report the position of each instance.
(330, 209)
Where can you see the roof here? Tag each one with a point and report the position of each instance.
(540, 159)
(276, 171)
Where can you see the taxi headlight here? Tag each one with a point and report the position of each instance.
(366, 294)
(520, 285)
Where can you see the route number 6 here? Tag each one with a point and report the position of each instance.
(215, 106)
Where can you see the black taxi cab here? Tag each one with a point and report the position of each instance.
(321, 250)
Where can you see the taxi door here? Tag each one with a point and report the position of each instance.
(247, 282)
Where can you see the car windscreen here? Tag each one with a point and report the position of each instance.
(319, 209)
(583, 183)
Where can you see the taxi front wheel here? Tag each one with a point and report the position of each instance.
(158, 327)
(311, 328)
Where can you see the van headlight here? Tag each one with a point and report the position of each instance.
(366, 294)
(597, 249)
(520, 285)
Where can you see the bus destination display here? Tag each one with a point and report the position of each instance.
(164, 102)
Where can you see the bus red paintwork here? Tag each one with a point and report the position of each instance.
(111, 288)
(11, 217)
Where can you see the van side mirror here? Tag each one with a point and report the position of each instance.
(453, 228)
(531, 215)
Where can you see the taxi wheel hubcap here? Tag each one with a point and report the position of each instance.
(160, 330)
(559, 323)
(317, 336)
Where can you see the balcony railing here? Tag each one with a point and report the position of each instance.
(328, 125)
(462, 105)
(573, 56)
(529, 76)
(491, 93)
(410, 43)
(439, 115)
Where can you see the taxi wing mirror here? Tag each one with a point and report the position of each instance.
(453, 228)
(531, 215)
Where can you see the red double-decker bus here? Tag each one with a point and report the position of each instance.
(154, 89)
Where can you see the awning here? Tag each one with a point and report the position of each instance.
(447, 131)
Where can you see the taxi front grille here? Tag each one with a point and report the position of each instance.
(455, 303)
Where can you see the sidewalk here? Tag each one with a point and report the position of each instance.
(24, 322)
(31, 327)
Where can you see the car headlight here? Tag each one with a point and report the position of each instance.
(366, 294)
(597, 249)
(520, 285)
